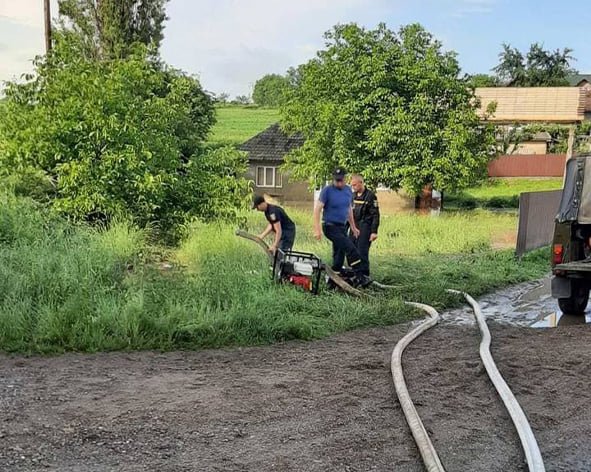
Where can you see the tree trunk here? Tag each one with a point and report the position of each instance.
(423, 202)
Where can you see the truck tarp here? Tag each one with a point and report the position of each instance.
(572, 193)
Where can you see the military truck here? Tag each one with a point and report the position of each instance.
(571, 245)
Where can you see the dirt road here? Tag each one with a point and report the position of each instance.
(321, 406)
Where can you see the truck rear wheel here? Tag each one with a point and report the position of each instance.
(577, 302)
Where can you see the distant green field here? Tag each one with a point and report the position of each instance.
(237, 124)
(514, 186)
(501, 193)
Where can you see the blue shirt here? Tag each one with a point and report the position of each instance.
(337, 203)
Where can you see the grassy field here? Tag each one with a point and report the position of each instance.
(65, 287)
(514, 186)
(501, 193)
(236, 124)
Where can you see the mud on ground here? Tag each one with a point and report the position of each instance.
(321, 406)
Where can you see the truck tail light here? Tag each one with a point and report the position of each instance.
(557, 253)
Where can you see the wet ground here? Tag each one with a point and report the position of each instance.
(320, 406)
(528, 305)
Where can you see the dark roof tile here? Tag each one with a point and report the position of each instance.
(271, 144)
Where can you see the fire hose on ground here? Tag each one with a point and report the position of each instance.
(526, 435)
(424, 444)
(419, 433)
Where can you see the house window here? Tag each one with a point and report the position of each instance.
(269, 177)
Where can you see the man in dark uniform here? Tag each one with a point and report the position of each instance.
(366, 214)
(279, 223)
(335, 205)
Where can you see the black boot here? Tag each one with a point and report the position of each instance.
(361, 281)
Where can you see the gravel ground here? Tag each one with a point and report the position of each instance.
(321, 406)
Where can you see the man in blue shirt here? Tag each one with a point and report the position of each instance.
(335, 205)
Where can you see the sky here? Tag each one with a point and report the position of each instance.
(229, 44)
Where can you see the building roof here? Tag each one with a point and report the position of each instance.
(541, 137)
(533, 104)
(271, 144)
(576, 79)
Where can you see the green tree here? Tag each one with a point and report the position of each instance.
(110, 28)
(221, 98)
(241, 100)
(389, 105)
(483, 80)
(270, 90)
(122, 137)
(537, 68)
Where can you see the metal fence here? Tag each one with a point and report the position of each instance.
(537, 165)
(537, 211)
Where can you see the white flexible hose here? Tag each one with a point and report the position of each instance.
(383, 286)
(428, 452)
(526, 435)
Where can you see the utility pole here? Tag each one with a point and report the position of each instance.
(47, 26)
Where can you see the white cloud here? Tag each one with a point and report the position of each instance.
(228, 43)
(21, 35)
(232, 43)
(25, 12)
(28, 12)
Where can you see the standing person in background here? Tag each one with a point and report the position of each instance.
(334, 204)
(366, 214)
(279, 223)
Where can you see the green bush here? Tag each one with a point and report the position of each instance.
(270, 90)
(118, 138)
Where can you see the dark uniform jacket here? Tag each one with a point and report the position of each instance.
(366, 210)
(276, 214)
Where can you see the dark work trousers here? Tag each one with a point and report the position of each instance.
(362, 243)
(287, 240)
(342, 246)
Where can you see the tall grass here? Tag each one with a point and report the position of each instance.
(411, 234)
(66, 287)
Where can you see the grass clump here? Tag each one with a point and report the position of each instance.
(55, 276)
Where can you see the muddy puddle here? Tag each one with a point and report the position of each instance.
(560, 319)
(529, 304)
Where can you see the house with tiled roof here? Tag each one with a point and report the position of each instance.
(532, 104)
(511, 107)
(266, 154)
